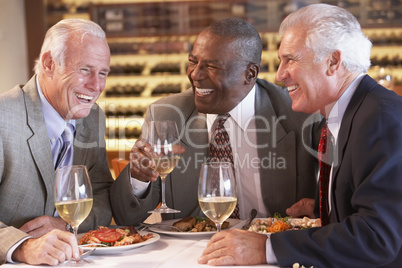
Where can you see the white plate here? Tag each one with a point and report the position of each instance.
(121, 249)
(296, 221)
(232, 222)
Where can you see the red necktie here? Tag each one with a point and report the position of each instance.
(324, 159)
(220, 149)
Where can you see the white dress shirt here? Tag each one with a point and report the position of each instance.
(241, 129)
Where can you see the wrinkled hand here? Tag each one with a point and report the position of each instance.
(142, 165)
(43, 225)
(304, 207)
(52, 248)
(235, 247)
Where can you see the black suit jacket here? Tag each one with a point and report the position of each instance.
(281, 187)
(366, 216)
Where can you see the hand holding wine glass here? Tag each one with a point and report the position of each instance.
(217, 194)
(73, 199)
(164, 139)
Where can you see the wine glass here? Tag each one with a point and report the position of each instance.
(73, 199)
(163, 137)
(217, 193)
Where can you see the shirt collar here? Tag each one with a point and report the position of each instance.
(241, 114)
(55, 124)
(337, 112)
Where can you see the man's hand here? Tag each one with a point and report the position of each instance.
(43, 225)
(52, 248)
(305, 207)
(142, 165)
(235, 247)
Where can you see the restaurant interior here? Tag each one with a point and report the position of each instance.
(150, 41)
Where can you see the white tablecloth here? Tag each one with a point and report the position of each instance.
(168, 251)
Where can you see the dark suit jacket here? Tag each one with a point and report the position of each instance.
(281, 187)
(366, 215)
(26, 165)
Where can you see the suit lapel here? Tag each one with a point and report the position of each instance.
(194, 131)
(364, 87)
(197, 124)
(194, 137)
(264, 111)
(83, 133)
(362, 90)
(39, 143)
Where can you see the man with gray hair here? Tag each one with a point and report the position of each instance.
(324, 55)
(70, 74)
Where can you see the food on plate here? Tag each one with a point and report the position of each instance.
(279, 224)
(185, 224)
(306, 222)
(113, 237)
(197, 224)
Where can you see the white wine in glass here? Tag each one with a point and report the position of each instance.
(217, 192)
(73, 199)
(163, 137)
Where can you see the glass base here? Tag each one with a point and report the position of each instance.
(164, 210)
(76, 262)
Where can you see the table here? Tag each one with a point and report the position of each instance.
(168, 251)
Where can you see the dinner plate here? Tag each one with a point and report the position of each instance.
(121, 249)
(304, 222)
(232, 222)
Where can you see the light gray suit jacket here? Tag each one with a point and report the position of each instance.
(280, 187)
(26, 165)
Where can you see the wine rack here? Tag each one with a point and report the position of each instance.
(150, 42)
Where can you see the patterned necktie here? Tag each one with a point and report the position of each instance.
(325, 163)
(65, 157)
(220, 149)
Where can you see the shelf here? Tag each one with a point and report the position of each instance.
(381, 21)
(120, 145)
(121, 133)
(150, 35)
(124, 121)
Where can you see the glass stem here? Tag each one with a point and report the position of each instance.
(75, 231)
(218, 227)
(163, 180)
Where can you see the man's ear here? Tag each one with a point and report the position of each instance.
(47, 63)
(334, 62)
(252, 73)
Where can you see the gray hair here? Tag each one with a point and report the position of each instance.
(57, 36)
(247, 39)
(330, 28)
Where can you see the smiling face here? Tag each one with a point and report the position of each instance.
(217, 74)
(308, 82)
(74, 89)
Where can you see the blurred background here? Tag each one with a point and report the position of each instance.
(150, 41)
